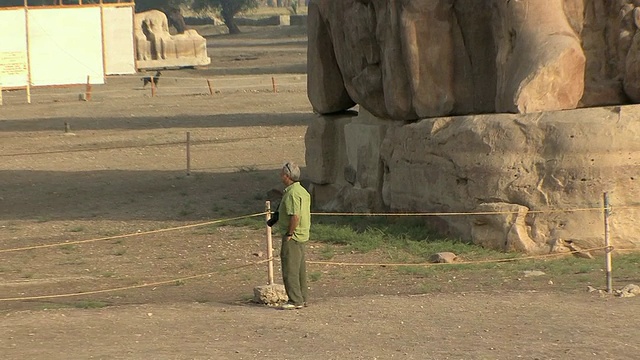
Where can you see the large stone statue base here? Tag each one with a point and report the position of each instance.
(541, 176)
(172, 64)
(156, 48)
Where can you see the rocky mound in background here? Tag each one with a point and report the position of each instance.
(532, 174)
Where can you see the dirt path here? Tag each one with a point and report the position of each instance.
(446, 326)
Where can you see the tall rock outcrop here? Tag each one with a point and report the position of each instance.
(412, 59)
(474, 107)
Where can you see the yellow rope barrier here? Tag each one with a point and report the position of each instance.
(462, 213)
(157, 283)
(459, 263)
(637, 249)
(132, 234)
(315, 214)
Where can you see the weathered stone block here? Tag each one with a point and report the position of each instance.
(546, 169)
(554, 160)
(505, 229)
(325, 154)
(363, 141)
(273, 294)
(542, 174)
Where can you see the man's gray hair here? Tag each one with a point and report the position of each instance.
(292, 170)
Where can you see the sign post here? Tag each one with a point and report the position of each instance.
(14, 71)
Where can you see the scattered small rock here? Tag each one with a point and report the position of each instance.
(577, 251)
(350, 174)
(529, 273)
(258, 254)
(630, 290)
(444, 257)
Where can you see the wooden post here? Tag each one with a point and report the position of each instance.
(269, 246)
(607, 245)
(133, 38)
(273, 83)
(88, 92)
(104, 41)
(188, 153)
(210, 87)
(153, 87)
(26, 22)
(67, 128)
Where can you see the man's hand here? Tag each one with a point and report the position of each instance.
(274, 219)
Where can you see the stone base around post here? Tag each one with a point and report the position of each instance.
(270, 295)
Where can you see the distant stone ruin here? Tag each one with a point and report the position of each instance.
(522, 109)
(156, 48)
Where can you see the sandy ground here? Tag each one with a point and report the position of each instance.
(441, 326)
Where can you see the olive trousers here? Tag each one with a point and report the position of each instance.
(294, 270)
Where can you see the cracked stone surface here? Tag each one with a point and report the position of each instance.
(541, 176)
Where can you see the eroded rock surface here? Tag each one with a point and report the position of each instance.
(157, 48)
(534, 179)
(412, 59)
(530, 180)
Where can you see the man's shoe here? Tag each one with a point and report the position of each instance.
(290, 306)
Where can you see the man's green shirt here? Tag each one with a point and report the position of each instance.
(297, 201)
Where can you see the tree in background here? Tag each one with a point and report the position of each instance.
(171, 8)
(227, 8)
(4, 3)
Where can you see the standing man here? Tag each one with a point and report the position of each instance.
(295, 212)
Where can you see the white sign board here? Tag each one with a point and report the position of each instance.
(13, 68)
(13, 49)
(118, 40)
(65, 46)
